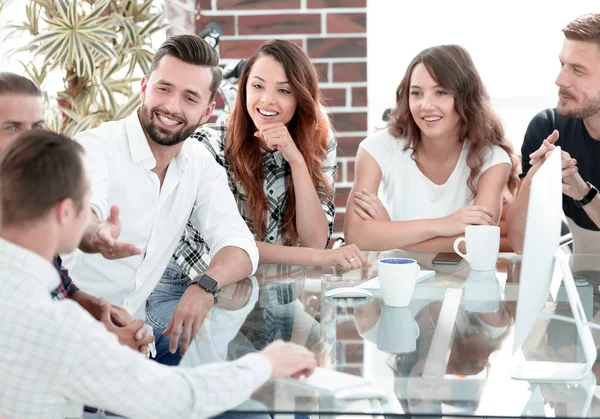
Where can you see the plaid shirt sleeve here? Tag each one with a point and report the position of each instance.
(66, 288)
(329, 169)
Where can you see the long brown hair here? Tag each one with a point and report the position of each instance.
(452, 68)
(309, 127)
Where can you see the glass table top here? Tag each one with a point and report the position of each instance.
(448, 353)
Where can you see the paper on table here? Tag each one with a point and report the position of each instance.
(151, 346)
(373, 284)
(347, 386)
(333, 381)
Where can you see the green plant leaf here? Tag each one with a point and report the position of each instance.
(99, 7)
(37, 76)
(115, 66)
(87, 122)
(112, 102)
(49, 36)
(100, 45)
(63, 9)
(52, 49)
(165, 26)
(72, 13)
(129, 34)
(88, 61)
(46, 4)
(128, 108)
(142, 9)
(149, 25)
(102, 48)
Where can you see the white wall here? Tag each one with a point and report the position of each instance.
(13, 12)
(514, 44)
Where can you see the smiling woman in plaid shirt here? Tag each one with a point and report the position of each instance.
(279, 153)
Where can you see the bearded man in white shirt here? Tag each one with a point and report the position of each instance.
(54, 356)
(148, 181)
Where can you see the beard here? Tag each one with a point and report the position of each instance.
(160, 135)
(589, 107)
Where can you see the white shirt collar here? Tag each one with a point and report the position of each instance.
(140, 149)
(31, 264)
(182, 157)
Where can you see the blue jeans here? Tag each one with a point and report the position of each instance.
(160, 308)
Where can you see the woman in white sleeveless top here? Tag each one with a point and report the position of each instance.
(441, 164)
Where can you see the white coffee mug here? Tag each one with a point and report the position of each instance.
(397, 279)
(483, 246)
(397, 331)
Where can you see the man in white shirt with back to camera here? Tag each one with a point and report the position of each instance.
(54, 356)
(147, 181)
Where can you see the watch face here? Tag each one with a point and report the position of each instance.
(208, 283)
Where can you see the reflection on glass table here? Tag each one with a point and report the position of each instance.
(449, 352)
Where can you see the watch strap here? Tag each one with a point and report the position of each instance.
(588, 197)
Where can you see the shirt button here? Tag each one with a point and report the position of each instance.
(271, 191)
(271, 238)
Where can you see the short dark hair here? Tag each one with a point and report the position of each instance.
(11, 83)
(584, 28)
(38, 170)
(191, 49)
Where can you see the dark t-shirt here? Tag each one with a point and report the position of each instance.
(574, 139)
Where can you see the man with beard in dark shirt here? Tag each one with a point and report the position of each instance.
(574, 125)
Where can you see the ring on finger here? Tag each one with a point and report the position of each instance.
(351, 260)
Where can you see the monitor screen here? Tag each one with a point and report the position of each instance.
(542, 238)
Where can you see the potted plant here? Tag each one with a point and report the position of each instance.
(100, 47)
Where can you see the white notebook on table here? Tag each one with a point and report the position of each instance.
(339, 385)
(373, 284)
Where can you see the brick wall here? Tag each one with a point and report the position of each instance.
(333, 32)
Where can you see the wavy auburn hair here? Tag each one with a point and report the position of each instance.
(452, 68)
(309, 128)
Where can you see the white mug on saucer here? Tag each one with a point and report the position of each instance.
(397, 279)
(483, 247)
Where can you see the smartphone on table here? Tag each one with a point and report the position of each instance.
(448, 259)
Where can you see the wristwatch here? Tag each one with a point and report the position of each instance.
(208, 284)
(588, 197)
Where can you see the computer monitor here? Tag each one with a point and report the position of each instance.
(540, 251)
